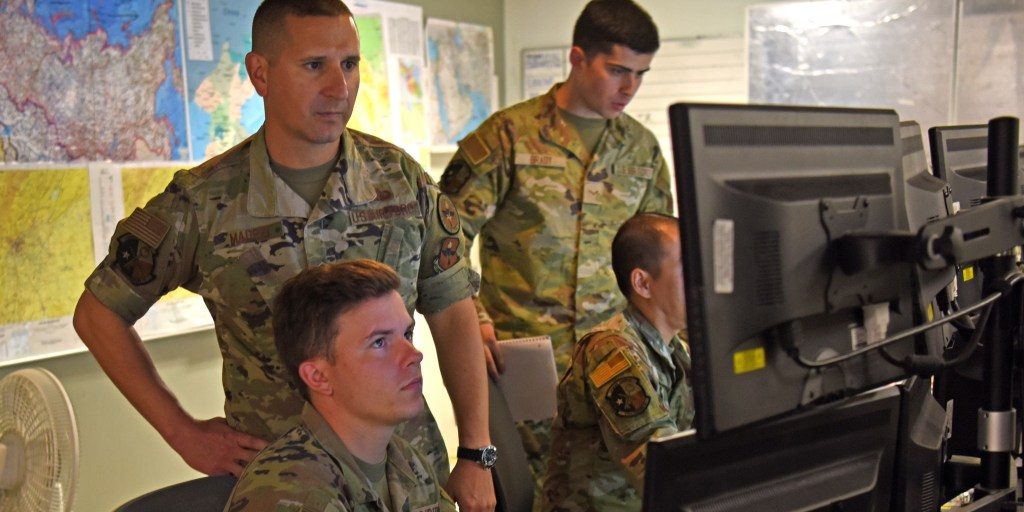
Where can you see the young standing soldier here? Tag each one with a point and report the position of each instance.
(546, 183)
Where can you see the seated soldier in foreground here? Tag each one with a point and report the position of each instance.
(627, 381)
(345, 337)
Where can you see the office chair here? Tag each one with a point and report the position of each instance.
(207, 494)
(513, 481)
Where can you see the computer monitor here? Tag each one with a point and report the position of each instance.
(832, 456)
(765, 194)
(960, 158)
(924, 198)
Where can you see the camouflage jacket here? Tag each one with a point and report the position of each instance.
(546, 213)
(310, 470)
(624, 386)
(233, 232)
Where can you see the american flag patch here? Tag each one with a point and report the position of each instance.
(147, 227)
(610, 367)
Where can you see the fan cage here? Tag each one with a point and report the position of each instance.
(35, 408)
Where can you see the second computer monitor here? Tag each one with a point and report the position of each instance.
(765, 193)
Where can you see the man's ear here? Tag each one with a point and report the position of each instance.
(256, 65)
(314, 373)
(640, 281)
(577, 57)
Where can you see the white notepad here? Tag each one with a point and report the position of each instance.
(530, 381)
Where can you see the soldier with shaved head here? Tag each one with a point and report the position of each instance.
(303, 191)
(628, 380)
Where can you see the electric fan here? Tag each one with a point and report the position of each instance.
(38, 443)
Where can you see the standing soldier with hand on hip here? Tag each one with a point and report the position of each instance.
(303, 191)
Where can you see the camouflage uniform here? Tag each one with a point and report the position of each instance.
(309, 469)
(233, 232)
(624, 386)
(546, 212)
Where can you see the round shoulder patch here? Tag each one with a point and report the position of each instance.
(448, 215)
(627, 397)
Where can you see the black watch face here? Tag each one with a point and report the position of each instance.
(488, 456)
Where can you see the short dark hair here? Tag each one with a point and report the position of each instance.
(268, 22)
(307, 308)
(604, 23)
(638, 244)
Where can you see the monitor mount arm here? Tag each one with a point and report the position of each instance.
(986, 233)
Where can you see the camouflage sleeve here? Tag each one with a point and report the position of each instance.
(658, 197)
(288, 477)
(631, 412)
(255, 494)
(151, 253)
(477, 178)
(445, 276)
(444, 500)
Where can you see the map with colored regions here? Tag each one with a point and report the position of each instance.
(372, 113)
(223, 106)
(91, 80)
(460, 57)
(46, 213)
(412, 113)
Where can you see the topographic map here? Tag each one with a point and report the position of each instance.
(45, 213)
(460, 58)
(90, 80)
(101, 101)
(223, 107)
(390, 104)
(372, 113)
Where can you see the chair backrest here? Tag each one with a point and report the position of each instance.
(207, 494)
(513, 481)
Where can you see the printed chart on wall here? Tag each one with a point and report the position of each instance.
(93, 92)
(702, 69)
(390, 104)
(463, 87)
(106, 81)
(46, 252)
(223, 106)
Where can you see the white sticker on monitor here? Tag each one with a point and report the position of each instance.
(724, 233)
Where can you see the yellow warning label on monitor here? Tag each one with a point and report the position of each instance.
(968, 273)
(746, 361)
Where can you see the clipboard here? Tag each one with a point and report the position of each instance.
(530, 381)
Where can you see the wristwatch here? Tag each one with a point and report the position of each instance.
(485, 456)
